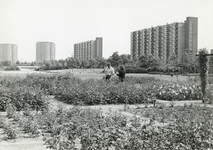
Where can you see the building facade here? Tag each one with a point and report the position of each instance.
(45, 51)
(9, 52)
(89, 50)
(166, 41)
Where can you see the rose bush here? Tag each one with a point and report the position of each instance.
(32, 90)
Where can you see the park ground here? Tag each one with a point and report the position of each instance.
(37, 143)
(88, 73)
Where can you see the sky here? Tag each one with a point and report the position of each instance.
(66, 22)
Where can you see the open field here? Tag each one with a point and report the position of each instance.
(88, 73)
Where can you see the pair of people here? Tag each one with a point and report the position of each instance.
(109, 72)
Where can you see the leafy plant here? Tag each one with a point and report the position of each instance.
(10, 131)
(11, 110)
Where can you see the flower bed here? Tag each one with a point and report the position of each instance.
(179, 91)
(182, 127)
(70, 89)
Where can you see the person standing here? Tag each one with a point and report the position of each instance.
(121, 73)
(109, 72)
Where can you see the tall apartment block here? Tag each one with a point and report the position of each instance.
(89, 49)
(166, 41)
(45, 51)
(9, 52)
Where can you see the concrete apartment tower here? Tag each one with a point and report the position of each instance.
(166, 41)
(45, 51)
(89, 49)
(9, 52)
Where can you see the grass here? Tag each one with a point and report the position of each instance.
(89, 73)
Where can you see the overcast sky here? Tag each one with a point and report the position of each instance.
(66, 22)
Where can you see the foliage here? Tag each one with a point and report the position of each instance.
(5, 63)
(188, 63)
(13, 67)
(179, 91)
(135, 69)
(72, 62)
(134, 90)
(29, 125)
(10, 131)
(179, 127)
(20, 94)
(30, 92)
(2, 121)
(211, 65)
(185, 127)
(11, 110)
(92, 92)
(148, 61)
(182, 127)
(209, 94)
(203, 69)
(115, 59)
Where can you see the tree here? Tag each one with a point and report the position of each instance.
(72, 62)
(92, 63)
(47, 65)
(148, 61)
(85, 63)
(18, 62)
(126, 59)
(115, 59)
(173, 60)
(6, 63)
(188, 63)
(101, 62)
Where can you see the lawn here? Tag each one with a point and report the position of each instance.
(88, 74)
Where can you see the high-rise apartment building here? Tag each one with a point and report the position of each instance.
(45, 51)
(9, 52)
(89, 49)
(166, 41)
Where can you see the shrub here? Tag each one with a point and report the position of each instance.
(11, 110)
(209, 94)
(185, 127)
(21, 97)
(134, 69)
(13, 67)
(29, 125)
(179, 91)
(10, 131)
(90, 92)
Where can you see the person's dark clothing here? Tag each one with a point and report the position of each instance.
(108, 77)
(121, 75)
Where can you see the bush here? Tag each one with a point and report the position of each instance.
(183, 127)
(21, 95)
(209, 94)
(12, 68)
(135, 69)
